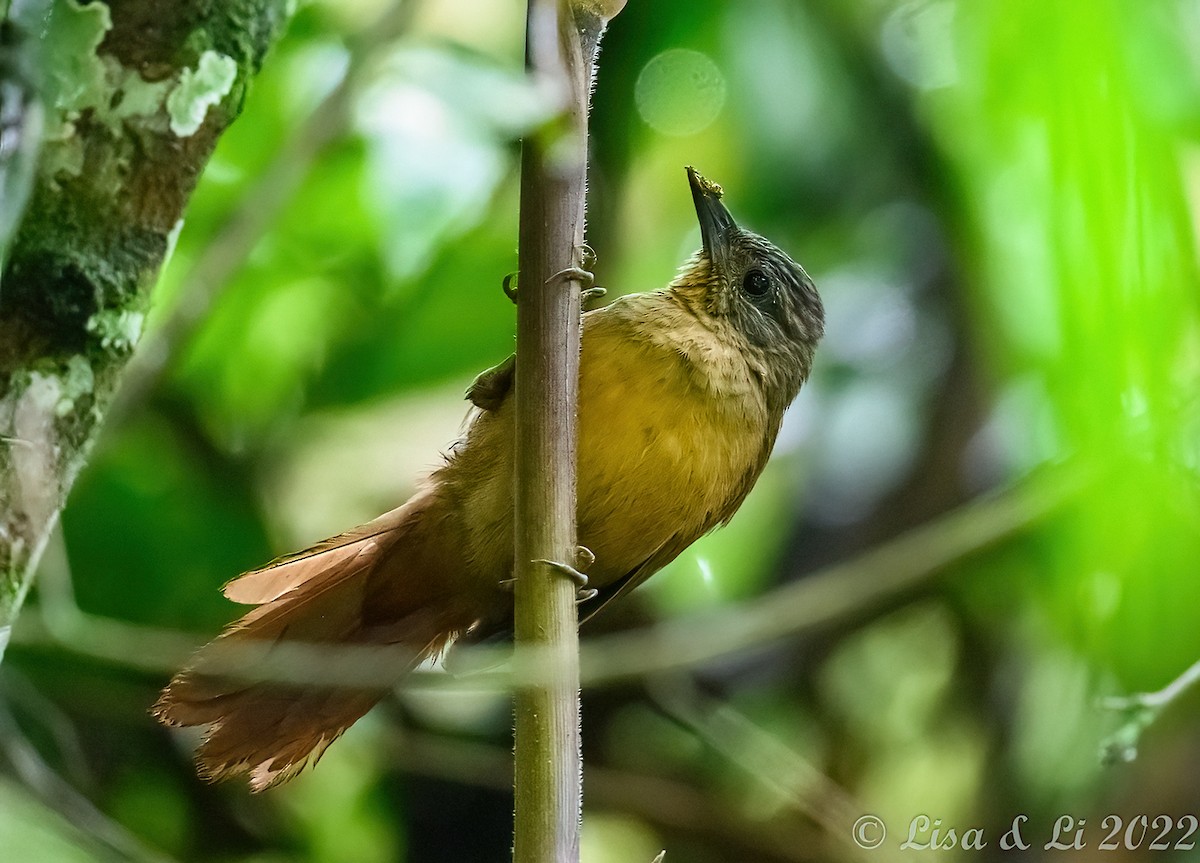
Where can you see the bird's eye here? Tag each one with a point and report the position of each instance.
(756, 284)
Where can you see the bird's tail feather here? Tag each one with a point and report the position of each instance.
(370, 587)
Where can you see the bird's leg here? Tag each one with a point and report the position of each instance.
(583, 559)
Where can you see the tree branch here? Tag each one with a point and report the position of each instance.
(853, 590)
(57, 794)
(770, 763)
(136, 97)
(20, 127)
(1139, 712)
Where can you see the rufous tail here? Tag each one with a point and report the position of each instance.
(381, 584)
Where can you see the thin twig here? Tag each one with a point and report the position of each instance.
(766, 760)
(852, 589)
(59, 795)
(1140, 711)
(855, 587)
(1159, 699)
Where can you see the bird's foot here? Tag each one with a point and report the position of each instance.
(582, 274)
(591, 291)
(509, 286)
(587, 257)
(583, 559)
(574, 274)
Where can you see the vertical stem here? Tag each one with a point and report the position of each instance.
(553, 178)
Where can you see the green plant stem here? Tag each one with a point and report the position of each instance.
(561, 43)
(548, 762)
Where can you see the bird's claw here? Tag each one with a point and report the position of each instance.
(582, 274)
(574, 274)
(566, 569)
(509, 286)
(589, 293)
(583, 559)
(587, 257)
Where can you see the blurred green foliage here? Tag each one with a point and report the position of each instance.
(998, 203)
(28, 831)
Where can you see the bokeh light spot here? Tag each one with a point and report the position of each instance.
(679, 92)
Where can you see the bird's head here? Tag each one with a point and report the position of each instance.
(766, 296)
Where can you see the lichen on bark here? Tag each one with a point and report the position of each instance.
(135, 95)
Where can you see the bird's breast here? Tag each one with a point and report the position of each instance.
(672, 431)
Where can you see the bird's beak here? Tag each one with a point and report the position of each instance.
(715, 222)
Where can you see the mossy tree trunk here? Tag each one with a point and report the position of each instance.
(135, 95)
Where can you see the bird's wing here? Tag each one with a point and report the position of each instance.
(663, 555)
(290, 571)
(488, 391)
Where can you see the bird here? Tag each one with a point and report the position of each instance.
(682, 392)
